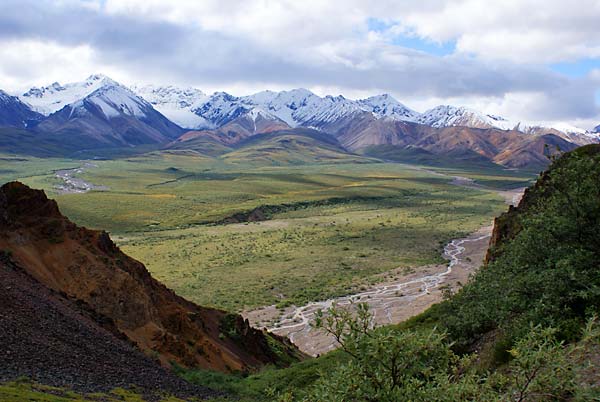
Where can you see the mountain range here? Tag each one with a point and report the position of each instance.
(301, 107)
(102, 114)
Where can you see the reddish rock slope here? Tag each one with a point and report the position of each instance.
(86, 265)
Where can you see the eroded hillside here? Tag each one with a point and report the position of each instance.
(86, 266)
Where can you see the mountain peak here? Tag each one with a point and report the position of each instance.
(382, 97)
(51, 98)
(99, 77)
(15, 113)
(115, 100)
(385, 105)
(299, 91)
(99, 81)
(448, 115)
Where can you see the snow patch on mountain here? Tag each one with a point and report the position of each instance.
(49, 99)
(386, 106)
(257, 113)
(446, 116)
(176, 103)
(116, 100)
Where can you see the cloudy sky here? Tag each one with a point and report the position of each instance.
(535, 60)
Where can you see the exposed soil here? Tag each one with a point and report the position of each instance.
(50, 339)
(87, 266)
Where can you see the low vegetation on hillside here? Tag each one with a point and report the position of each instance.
(525, 328)
(545, 268)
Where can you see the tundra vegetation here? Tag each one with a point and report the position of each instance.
(524, 328)
(327, 229)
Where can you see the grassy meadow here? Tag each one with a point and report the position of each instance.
(331, 228)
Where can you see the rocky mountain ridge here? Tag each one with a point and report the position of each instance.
(191, 108)
(86, 266)
(101, 114)
(15, 113)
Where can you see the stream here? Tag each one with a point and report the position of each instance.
(390, 302)
(72, 184)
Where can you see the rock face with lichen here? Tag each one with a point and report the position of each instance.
(86, 266)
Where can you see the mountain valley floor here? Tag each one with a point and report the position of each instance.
(240, 236)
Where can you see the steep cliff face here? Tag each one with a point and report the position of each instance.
(506, 226)
(86, 265)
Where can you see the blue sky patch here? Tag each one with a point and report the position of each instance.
(412, 41)
(576, 69)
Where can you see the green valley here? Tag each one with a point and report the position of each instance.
(327, 229)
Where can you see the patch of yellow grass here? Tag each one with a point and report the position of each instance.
(162, 196)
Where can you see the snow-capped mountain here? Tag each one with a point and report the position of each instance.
(99, 105)
(447, 116)
(254, 121)
(14, 113)
(192, 109)
(176, 103)
(263, 121)
(108, 116)
(221, 108)
(49, 99)
(114, 101)
(386, 106)
(301, 107)
(297, 107)
(567, 131)
(596, 129)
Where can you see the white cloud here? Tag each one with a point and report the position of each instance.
(33, 61)
(522, 31)
(500, 64)
(532, 31)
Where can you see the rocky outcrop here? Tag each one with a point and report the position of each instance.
(60, 342)
(86, 265)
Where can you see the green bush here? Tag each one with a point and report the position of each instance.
(549, 272)
(389, 364)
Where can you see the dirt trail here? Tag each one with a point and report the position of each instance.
(393, 301)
